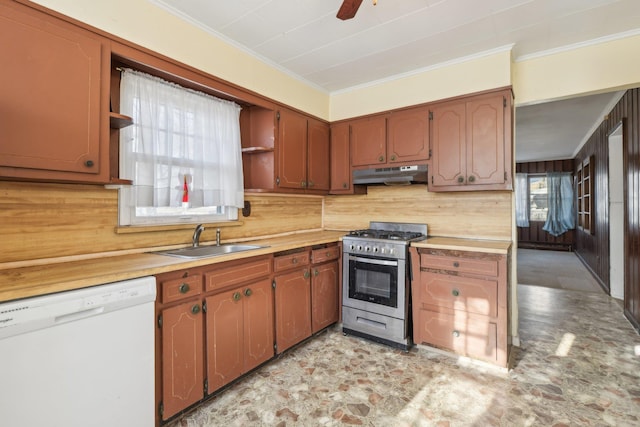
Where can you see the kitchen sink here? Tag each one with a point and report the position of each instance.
(209, 251)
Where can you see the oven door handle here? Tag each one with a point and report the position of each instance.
(373, 261)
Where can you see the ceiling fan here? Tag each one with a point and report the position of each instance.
(349, 8)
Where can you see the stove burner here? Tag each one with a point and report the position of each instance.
(387, 235)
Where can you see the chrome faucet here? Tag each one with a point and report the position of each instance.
(196, 235)
(218, 237)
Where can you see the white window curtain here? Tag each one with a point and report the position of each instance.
(522, 200)
(561, 215)
(180, 138)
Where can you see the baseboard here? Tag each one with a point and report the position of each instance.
(593, 273)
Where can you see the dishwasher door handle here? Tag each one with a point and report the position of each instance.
(79, 315)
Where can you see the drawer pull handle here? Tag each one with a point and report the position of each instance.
(247, 292)
(306, 274)
(236, 296)
(455, 334)
(315, 273)
(195, 309)
(456, 264)
(184, 288)
(328, 254)
(294, 261)
(455, 292)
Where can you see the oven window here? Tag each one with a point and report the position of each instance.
(373, 282)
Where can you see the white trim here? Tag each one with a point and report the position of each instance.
(579, 45)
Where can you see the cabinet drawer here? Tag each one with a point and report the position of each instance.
(325, 254)
(177, 289)
(461, 332)
(286, 262)
(236, 273)
(469, 294)
(484, 267)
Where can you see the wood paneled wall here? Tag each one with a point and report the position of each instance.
(480, 214)
(594, 248)
(534, 236)
(57, 220)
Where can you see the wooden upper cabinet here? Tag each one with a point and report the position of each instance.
(303, 153)
(340, 160)
(472, 144)
(55, 109)
(368, 141)
(319, 154)
(292, 150)
(408, 136)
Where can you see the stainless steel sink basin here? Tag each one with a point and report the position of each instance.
(209, 251)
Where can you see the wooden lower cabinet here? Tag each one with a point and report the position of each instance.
(460, 302)
(293, 308)
(324, 295)
(239, 331)
(182, 357)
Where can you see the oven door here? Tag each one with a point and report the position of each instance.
(375, 285)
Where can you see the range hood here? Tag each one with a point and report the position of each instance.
(401, 175)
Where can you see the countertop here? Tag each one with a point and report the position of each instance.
(17, 283)
(471, 245)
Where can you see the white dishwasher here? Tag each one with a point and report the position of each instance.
(79, 358)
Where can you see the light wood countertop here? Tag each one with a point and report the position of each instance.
(17, 283)
(456, 244)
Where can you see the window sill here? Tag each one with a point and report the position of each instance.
(128, 229)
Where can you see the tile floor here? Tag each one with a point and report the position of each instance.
(578, 365)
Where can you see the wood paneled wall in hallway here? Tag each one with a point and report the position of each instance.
(534, 236)
(594, 248)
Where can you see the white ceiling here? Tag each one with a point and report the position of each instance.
(305, 39)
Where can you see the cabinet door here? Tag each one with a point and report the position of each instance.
(368, 141)
(324, 295)
(293, 308)
(318, 162)
(448, 165)
(485, 141)
(182, 357)
(54, 105)
(225, 341)
(340, 160)
(408, 136)
(292, 150)
(258, 323)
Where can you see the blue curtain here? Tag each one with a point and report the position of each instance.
(561, 215)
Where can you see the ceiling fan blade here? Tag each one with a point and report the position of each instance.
(348, 9)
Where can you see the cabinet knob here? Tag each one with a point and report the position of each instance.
(460, 179)
(306, 274)
(455, 292)
(456, 264)
(381, 159)
(315, 273)
(471, 178)
(184, 288)
(455, 334)
(294, 260)
(345, 185)
(247, 292)
(393, 157)
(88, 163)
(236, 296)
(303, 184)
(310, 183)
(195, 309)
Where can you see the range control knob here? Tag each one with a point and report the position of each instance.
(368, 249)
(375, 249)
(383, 250)
(352, 247)
(359, 247)
(392, 251)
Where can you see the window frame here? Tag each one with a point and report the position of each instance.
(529, 177)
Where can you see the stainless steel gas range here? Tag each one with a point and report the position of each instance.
(376, 287)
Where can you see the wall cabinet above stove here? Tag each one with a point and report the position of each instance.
(394, 139)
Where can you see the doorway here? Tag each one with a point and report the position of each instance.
(616, 213)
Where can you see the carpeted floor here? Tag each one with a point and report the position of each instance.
(554, 269)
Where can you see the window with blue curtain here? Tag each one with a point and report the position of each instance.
(561, 208)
